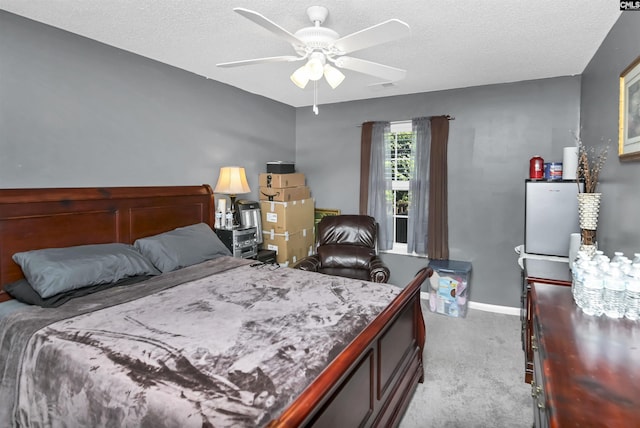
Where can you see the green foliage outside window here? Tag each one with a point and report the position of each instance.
(399, 166)
(401, 159)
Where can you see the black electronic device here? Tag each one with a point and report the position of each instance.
(249, 216)
(242, 242)
(266, 256)
(281, 167)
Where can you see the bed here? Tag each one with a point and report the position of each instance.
(368, 380)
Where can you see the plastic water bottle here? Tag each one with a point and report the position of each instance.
(577, 276)
(592, 287)
(580, 297)
(575, 268)
(613, 295)
(602, 261)
(632, 295)
(618, 256)
(228, 217)
(636, 258)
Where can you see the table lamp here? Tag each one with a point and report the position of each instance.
(232, 181)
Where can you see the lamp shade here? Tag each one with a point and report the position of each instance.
(232, 181)
(300, 77)
(315, 67)
(333, 75)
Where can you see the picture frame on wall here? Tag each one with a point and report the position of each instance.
(629, 133)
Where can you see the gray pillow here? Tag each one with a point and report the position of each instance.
(23, 291)
(182, 247)
(55, 270)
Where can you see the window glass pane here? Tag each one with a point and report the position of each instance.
(393, 168)
(401, 230)
(405, 159)
(400, 164)
(402, 202)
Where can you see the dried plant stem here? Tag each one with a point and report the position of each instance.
(589, 170)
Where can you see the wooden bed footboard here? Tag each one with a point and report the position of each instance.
(372, 381)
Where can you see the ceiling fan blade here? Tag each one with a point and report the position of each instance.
(286, 58)
(390, 74)
(384, 32)
(266, 23)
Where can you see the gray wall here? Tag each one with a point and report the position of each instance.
(496, 130)
(619, 222)
(75, 112)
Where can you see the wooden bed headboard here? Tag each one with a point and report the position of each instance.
(32, 219)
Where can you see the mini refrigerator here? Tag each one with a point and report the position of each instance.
(551, 216)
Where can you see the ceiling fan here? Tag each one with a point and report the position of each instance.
(323, 48)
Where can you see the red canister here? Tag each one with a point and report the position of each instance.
(536, 168)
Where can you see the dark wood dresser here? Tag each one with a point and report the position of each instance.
(586, 369)
(542, 271)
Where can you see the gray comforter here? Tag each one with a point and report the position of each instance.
(219, 344)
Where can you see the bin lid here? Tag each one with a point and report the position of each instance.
(450, 266)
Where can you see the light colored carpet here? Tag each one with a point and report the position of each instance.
(474, 374)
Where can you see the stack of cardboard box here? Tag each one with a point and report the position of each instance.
(287, 211)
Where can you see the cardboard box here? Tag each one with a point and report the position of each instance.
(289, 247)
(281, 180)
(449, 287)
(281, 217)
(284, 194)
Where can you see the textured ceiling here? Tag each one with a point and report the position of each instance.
(453, 44)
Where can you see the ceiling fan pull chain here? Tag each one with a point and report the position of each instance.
(315, 97)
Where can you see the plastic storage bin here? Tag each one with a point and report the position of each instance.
(449, 287)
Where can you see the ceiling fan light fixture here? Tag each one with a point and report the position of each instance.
(333, 75)
(315, 68)
(300, 77)
(318, 45)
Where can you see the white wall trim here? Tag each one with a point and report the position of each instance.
(508, 310)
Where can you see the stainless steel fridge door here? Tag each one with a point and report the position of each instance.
(551, 216)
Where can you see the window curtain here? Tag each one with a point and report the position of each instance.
(438, 229)
(376, 199)
(437, 216)
(365, 161)
(417, 227)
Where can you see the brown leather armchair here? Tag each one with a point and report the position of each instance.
(347, 247)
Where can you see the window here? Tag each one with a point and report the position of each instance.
(388, 158)
(400, 163)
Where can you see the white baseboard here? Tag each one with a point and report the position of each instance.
(508, 310)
